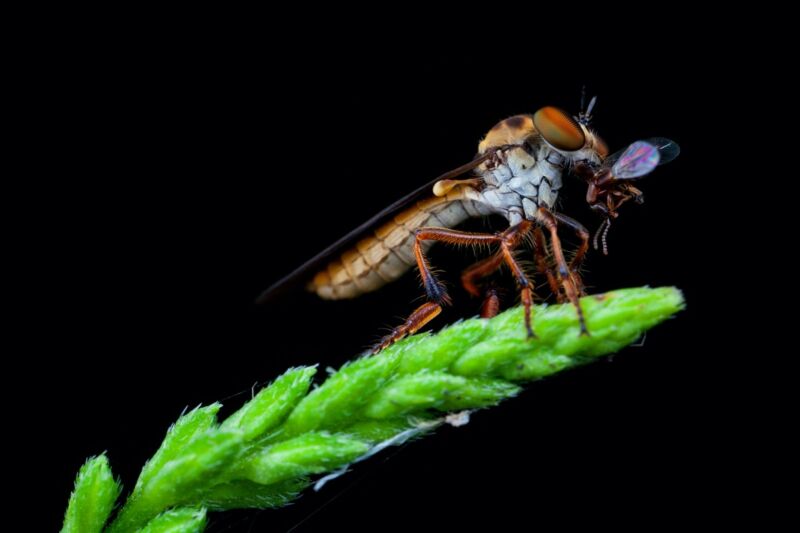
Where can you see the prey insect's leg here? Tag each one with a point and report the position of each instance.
(549, 221)
(434, 289)
(602, 230)
(540, 253)
(583, 235)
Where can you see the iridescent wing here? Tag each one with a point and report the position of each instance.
(667, 149)
(638, 159)
(641, 157)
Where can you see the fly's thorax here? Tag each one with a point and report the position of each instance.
(513, 130)
(523, 180)
(527, 172)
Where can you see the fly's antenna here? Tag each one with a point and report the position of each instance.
(590, 107)
(583, 98)
(585, 116)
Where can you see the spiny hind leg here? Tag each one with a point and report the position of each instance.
(580, 254)
(549, 221)
(435, 290)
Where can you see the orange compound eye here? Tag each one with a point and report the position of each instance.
(559, 129)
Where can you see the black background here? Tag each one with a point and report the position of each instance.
(183, 183)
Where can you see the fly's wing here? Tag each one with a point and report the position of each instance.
(642, 157)
(310, 267)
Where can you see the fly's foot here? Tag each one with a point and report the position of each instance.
(491, 304)
(527, 303)
(421, 316)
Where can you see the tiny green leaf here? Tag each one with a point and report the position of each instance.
(438, 352)
(203, 457)
(193, 469)
(437, 390)
(181, 520)
(93, 498)
(187, 427)
(342, 395)
(244, 494)
(376, 431)
(312, 453)
(615, 319)
(271, 405)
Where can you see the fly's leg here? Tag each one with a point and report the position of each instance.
(491, 303)
(435, 290)
(526, 293)
(416, 320)
(549, 221)
(470, 277)
(481, 269)
(577, 261)
(540, 253)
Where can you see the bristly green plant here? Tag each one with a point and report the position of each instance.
(267, 452)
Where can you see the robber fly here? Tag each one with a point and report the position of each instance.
(516, 174)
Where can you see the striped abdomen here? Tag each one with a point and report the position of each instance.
(388, 253)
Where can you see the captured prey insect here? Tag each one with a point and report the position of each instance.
(517, 174)
(609, 185)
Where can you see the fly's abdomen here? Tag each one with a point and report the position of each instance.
(388, 253)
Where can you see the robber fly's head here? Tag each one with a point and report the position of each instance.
(570, 136)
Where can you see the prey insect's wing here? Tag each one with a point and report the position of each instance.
(638, 159)
(667, 149)
(642, 157)
(313, 265)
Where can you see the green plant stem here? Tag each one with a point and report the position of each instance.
(264, 454)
